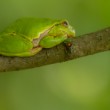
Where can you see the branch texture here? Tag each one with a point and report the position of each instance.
(81, 46)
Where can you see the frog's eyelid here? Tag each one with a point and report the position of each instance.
(65, 23)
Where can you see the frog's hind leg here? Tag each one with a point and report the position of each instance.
(14, 45)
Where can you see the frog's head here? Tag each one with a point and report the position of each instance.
(62, 28)
(67, 29)
(59, 32)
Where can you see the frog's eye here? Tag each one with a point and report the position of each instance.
(65, 23)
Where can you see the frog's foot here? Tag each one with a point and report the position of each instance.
(35, 50)
(68, 42)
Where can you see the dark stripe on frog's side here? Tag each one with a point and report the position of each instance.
(37, 40)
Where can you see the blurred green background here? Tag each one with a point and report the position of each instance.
(81, 84)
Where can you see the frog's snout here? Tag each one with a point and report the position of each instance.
(71, 33)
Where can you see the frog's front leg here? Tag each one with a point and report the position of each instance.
(51, 41)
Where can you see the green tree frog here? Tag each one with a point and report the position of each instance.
(28, 36)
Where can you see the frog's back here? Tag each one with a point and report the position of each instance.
(30, 27)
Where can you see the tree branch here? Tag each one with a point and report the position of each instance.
(81, 46)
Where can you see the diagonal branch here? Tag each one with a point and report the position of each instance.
(81, 46)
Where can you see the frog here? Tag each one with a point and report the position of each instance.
(28, 36)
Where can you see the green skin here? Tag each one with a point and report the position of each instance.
(27, 36)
